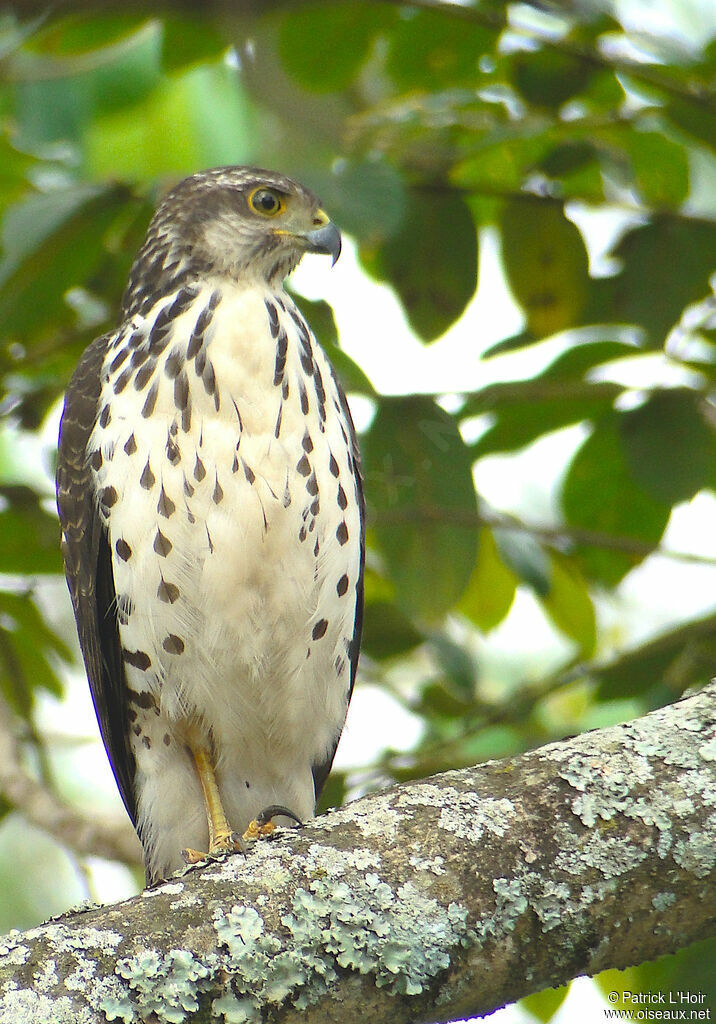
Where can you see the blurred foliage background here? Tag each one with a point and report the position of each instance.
(567, 148)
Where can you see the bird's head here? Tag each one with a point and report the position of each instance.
(239, 222)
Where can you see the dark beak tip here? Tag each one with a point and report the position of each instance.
(327, 240)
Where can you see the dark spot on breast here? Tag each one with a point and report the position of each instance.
(277, 428)
(144, 375)
(312, 484)
(147, 479)
(195, 342)
(316, 548)
(280, 363)
(342, 585)
(144, 699)
(140, 660)
(166, 739)
(146, 742)
(342, 532)
(272, 317)
(108, 497)
(217, 494)
(188, 489)
(319, 629)
(302, 533)
(248, 472)
(136, 338)
(174, 363)
(162, 544)
(139, 357)
(105, 417)
(208, 379)
(123, 549)
(284, 389)
(181, 391)
(161, 333)
(342, 499)
(130, 445)
(199, 470)
(307, 443)
(303, 466)
(122, 381)
(137, 729)
(315, 506)
(333, 465)
(303, 397)
(307, 363)
(118, 360)
(165, 505)
(173, 453)
(95, 459)
(151, 401)
(167, 592)
(173, 644)
(200, 362)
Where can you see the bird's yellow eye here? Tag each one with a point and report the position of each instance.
(266, 202)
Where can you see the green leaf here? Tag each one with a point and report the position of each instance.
(27, 646)
(661, 167)
(534, 411)
(695, 116)
(29, 536)
(190, 40)
(387, 632)
(324, 45)
(578, 360)
(666, 265)
(670, 448)
(526, 558)
(569, 605)
(53, 242)
(600, 494)
(83, 69)
(418, 476)
(457, 665)
(431, 262)
(427, 50)
(367, 198)
(179, 126)
(548, 78)
(543, 1005)
(546, 264)
(670, 663)
(491, 589)
(688, 971)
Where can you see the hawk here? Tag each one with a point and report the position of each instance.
(210, 499)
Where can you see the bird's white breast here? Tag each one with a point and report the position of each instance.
(234, 526)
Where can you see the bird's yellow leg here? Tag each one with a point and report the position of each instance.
(222, 838)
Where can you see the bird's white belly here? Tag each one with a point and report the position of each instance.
(236, 565)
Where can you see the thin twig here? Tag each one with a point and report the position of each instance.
(555, 535)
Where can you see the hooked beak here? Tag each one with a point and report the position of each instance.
(326, 239)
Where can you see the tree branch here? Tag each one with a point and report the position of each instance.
(428, 901)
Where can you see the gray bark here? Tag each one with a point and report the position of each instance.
(429, 901)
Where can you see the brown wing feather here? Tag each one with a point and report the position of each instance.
(88, 566)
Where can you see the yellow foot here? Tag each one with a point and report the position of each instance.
(263, 825)
(228, 842)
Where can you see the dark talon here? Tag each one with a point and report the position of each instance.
(268, 813)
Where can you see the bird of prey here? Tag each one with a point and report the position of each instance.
(209, 493)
